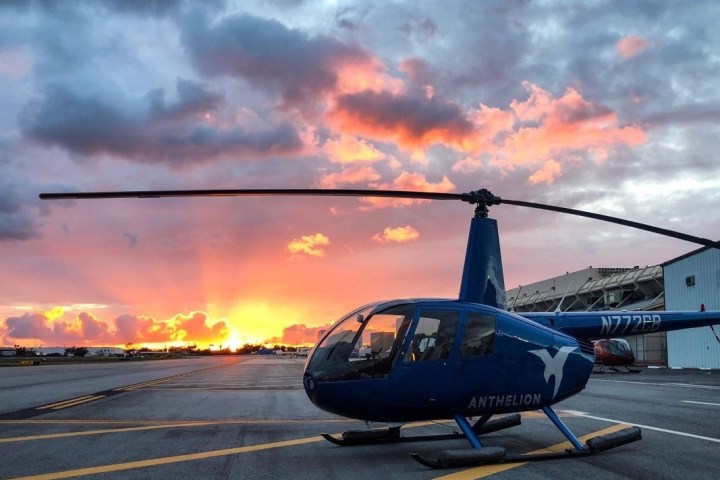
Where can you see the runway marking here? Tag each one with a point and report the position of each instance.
(187, 457)
(487, 470)
(172, 377)
(668, 384)
(167, 460)
(152, 426)
(702, 403)
(71, 403)
(40, 410)
(99, 432)
(60, 404)
(649, 427)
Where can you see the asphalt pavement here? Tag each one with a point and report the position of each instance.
(248, 417)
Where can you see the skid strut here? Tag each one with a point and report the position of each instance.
(479, 455)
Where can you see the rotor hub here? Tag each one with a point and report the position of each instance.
(483, 199)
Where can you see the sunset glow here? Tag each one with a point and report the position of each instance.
(431, 96)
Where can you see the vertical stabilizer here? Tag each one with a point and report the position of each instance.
(482, 280)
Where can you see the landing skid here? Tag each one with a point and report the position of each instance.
(604, 369)
(492, 455)
(392, 434)
(481, 455)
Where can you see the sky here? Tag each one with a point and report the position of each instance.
(607, 106)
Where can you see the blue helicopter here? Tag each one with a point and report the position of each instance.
(412, 360)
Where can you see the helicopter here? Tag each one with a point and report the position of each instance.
(422, 359)
(613, 354)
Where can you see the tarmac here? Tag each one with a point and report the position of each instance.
(232, 417)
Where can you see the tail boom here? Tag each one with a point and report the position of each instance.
(593, 325)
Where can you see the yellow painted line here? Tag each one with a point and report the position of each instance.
(79, 402)
(100, 432)
(167, 460)
(57, 404)
(145, 384)
(486, 470)
(156, 381)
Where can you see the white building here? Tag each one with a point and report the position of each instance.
(692, 280)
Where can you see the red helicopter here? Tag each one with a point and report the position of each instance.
(613, 354)
(410, 360)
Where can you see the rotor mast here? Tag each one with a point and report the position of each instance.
(483, 279)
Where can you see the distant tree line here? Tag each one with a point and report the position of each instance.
(130, 348)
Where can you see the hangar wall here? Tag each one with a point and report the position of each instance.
(691, 280)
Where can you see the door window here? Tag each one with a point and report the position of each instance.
(434, 336)
(479, 335)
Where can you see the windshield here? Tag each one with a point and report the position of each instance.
(360, 346)
(619, 347)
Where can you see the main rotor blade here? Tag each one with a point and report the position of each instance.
(254, 192)
(619, 221)
(479, 197)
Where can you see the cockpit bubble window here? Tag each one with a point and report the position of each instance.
(434, 336)
(479, 335)
(361, 347)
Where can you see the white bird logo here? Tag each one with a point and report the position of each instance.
(554, 365)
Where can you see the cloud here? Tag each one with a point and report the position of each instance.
(311, 245)
(397, 235)
(632, 46)
(407, 181)
(192, 100)
(298, 334)
(194, 327)
(83, 329)
(544, 133)
(412, 121)
(29, 325)
(198, 327)
(18, 212)
(350, 149)
(354, 174)
(150, 129)
(269, 55)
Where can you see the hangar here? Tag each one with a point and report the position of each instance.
(683, 283)
(690, 281)
(604, 288)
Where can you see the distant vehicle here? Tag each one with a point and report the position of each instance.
(302, 352)
(613, 354)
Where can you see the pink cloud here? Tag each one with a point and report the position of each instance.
(350, 149)
(298, 334)
(198, 327)
(409, 182)
(352, 175)
(632, 46)
(548, 132)
(45, 327)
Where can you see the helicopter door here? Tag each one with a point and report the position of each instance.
(430, 349)
(478, 351)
